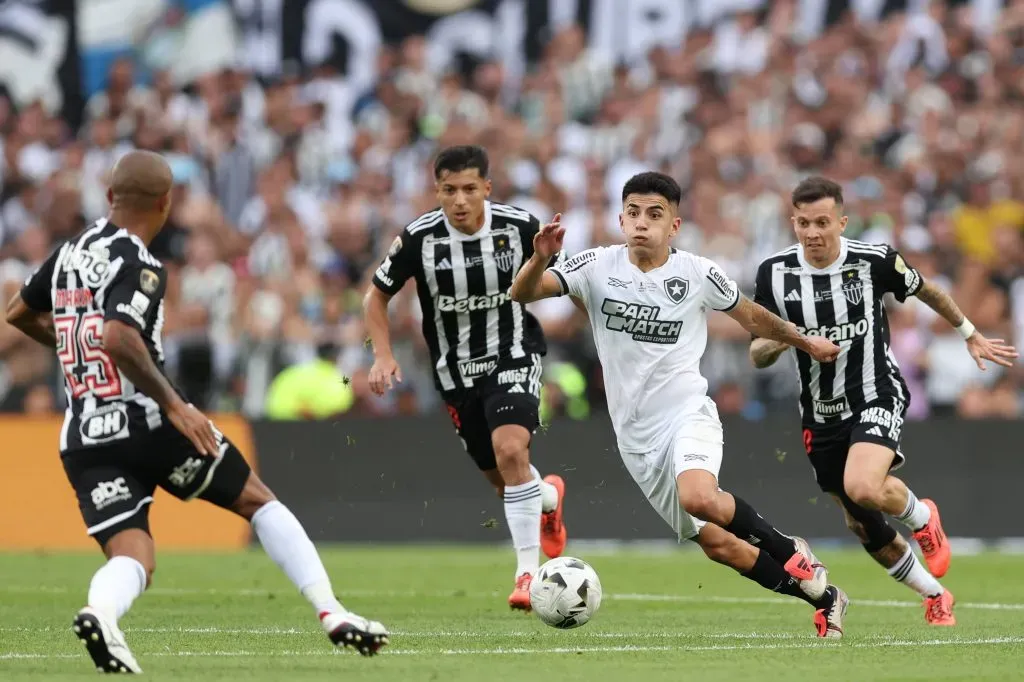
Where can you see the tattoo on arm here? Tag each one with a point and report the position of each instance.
(760, 321)
(941, 302)
(132, 357)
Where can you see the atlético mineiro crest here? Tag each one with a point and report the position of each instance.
(676, 288)
(853, 287)
(504, 256)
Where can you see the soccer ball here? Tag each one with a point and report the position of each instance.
(566, 593)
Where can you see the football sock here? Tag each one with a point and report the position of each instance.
(915, 515)
(548, 493)
(116, 585)
(285, 541)
(909, 571)
(769, 574)
(522, 512)
(748, 525)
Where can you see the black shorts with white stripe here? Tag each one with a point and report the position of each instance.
(115, 483)
(508, 394)
(828, 445)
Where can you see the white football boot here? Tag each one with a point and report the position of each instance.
(806, 568)
(346, 629)
(105, 642)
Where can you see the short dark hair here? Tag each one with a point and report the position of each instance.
(461, 157)
(816, 188)
(652, 182)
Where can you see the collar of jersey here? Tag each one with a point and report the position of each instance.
(829, 269)
(482, 232)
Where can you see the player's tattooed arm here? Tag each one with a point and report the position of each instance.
(980, 347)
(34, 324)
(763, 323)
(941, 302)
(126, 348)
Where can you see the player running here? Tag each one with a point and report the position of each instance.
(853, 410)
(485, 347)
(648, 309)
(98, 301)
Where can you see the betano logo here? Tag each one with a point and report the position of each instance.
(842, 332)
(450, 304)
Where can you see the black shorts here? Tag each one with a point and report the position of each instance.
(115, 483)
(827, 445)
(510, 394)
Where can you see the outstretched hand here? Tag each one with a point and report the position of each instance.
(993, 350)
(548, 240)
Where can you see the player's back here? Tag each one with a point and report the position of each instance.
(650, 329)
(102, 274)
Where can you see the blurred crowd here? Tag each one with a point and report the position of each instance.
(287, 191)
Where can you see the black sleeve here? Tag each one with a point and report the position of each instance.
(135, 294)
(398, 266)
(895, 276)
(763, 295)
(37, 290)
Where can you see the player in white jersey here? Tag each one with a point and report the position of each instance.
(648, 309)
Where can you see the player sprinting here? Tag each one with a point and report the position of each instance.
(98, 301)
(853, 409)
(485, 348)
(648, 310)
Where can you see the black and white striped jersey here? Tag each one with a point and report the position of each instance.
(105, 273)
(842, 302)
(470, 322)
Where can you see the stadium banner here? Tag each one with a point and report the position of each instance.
(40, 512)
(409, 480)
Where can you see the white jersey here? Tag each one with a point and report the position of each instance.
(650, 329)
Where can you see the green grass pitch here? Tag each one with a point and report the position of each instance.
(666, 616)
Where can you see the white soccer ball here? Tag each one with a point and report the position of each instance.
(566, 593)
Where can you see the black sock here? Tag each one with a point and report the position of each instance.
(769, 574)
(748, 525)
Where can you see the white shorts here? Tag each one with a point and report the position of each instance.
(696, 444)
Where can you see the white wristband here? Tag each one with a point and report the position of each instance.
(966, 329)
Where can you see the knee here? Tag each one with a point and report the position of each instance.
(511, 453)
(701, 504)
(150, 567)
(862, 491)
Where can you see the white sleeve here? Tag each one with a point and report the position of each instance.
(718, 291)
(574, 273)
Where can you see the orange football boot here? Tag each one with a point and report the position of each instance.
(933, 543)
(553, 535)
(519, 600)
(939, 610)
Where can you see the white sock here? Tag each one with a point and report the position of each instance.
(909, 571)
(915, 515)
(548, 492)
(116, 585)
(285, 541)
(522, 512)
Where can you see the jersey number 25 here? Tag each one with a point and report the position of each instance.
(86, 366)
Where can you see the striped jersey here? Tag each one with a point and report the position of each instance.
(843, 303)
(470, 322)
(105, 273)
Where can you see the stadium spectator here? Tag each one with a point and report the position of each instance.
(289, 187)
